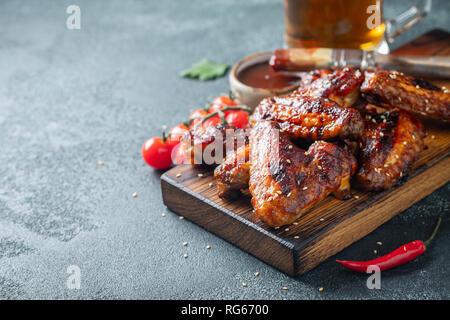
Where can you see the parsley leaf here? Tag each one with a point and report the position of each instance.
(205, 70)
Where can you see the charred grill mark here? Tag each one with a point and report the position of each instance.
(425, 84)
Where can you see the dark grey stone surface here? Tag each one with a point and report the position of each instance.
(71, 98)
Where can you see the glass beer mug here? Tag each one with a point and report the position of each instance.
(346, 24)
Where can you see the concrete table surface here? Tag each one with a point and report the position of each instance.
(71, 98)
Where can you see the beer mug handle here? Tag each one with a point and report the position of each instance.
(407, 19)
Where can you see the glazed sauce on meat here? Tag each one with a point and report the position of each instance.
(261, 75)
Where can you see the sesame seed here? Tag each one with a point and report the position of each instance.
(256, 273)
(185, 255)
(379, 243)
(375, 251)
(321, 219)
(319, 167)
(208, 247)
(296, 237)
(181, 217)
(305, 188)
(384, 121)
(432, 137)
(185, 244)
(100, 163)
(289, 194)
(426, 101)
(321, 289)
(401, 174)
(295, 223)
(417, 86)
(381, 134)
(287, 229)
(405, 143)
(163, 214)
(374, 121)
(285, 288)
(276, 228)
(134, 195)
(290, 147)
(386, 165)
(288, 161)
(244, 284)
(200, 175)
(178, 175)
(210, 184)
(356, 197)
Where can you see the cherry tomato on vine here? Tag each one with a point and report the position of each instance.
(196, 114)
(176, 133)
(157, 153)
(179, 154)
(211, 122)
(218, 103)
(238, 118)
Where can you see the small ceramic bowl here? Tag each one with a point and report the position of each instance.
(251, 96)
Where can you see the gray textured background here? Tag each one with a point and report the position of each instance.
(71, 98)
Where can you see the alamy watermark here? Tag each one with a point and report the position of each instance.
(74, 279)
(73, 21)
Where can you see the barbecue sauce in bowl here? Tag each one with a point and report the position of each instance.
(262, 75)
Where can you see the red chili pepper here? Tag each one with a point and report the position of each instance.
(399, 256)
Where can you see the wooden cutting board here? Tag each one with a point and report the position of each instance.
(331, 225)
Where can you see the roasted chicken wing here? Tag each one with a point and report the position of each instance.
(311, 118)
(389, 146)
(341, 86)
(233, 174)
(210, 146)
(286, 181)
(392, 89)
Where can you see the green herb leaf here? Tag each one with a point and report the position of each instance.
(205, 70)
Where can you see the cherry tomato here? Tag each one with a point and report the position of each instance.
(195, 114)
(238, 118)
(211, 122)
(157, 153)
(179, 154)
(176, 133)
(222, 100)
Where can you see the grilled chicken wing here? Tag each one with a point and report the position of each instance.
(210, 146)
(388, 148)
(341, 86)
(286, 181)
(393, 89)
(233, 174)
(311, 118)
